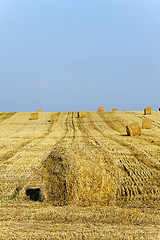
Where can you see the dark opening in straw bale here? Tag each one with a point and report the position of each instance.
(81, 114)
(146, 123)
(34, 116)
(35, 194)
(133, 129)
(148, 111)
(101, 109)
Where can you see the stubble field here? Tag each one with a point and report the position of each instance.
(95, 181)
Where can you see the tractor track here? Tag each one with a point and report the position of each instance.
(11, 153)
(138, 155)
(135, 182)
(6, 116)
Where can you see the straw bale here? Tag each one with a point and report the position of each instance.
(148, 111)
(81, 114)
(146, 123)
(72, 176)
(114, 109)
(54, 117)
(133, 129)
(39, 110)
(101, 109)
(34, 116)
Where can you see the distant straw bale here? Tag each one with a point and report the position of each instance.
(114, 109)
(133, 129)
(39, 110)
(54, 117)
(81, 114)
(148, 111)
(34, 116)
(101, 109)
(146, 123)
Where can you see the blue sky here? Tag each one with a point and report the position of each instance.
(63, 55)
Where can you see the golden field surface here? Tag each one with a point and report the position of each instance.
(95, 181)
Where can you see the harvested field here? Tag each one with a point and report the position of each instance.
(96, 182)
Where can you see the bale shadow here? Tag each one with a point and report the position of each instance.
(35, 194)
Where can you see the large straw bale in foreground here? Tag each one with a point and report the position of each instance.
(114, 109)
(34, 116)
(148, 111)
(146, 123)
(101, 109)
(79, 175)
(54, 117)
(134, 129)
(81, 114)
(39, 110)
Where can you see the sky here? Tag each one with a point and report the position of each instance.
(67, 55)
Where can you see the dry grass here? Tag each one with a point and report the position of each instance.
(133, 129)
(41, 221)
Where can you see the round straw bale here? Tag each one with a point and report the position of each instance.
(54, 117)
(114, 109)
(72, 177)
(148, 111)
(34, 116)
(39, 110)
(101, 109)
(81, 114)
(146, 123)
(133, 129)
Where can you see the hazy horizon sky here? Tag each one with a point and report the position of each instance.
(78, 55)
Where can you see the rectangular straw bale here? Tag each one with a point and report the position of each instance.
(148, 111)
(146, 123)
(101, 109)
(133, 129)
(114, 109)
(54, 117)
(34, 116)
(39, 110)
(81, 114)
